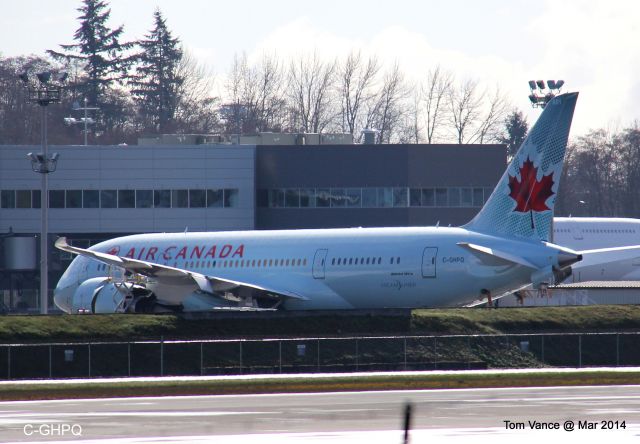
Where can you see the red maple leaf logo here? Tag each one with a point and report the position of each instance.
(529, 193)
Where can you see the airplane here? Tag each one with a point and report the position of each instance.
(585, 233)
(502, 249)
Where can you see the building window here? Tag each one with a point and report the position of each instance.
(478, 198)
(441, 197)
(8, 199)
(415, 197)
(126, 199)
(23, 198)
(385, 197)
(162, 198)
(353, 197)
(56, 198)
(454, 197)
(231, 197)
(466, 197)
(144, 198)
(36, 198)
(369, 198)
(323, 197)
(109, 199)
(90, 199)
(197, 198)
(337, 198)
(180, 198)
(400, 197)
(308, 197)
(74, 199)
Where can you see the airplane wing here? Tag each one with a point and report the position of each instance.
(603, 256)
(497, 254)
(171, 276)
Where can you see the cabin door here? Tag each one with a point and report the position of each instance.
(319, 262)
(429, 256)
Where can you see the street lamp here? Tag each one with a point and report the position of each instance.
(85, 120)
(48, 89)
(541, 95)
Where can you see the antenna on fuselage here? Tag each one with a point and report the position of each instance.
(186, 229)
(437, 224)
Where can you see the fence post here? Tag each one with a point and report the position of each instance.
(435, 353)
(318, 355)
(240, 357)
(129, 358)
(89, 350)
(50, 363)
(357, 357)
(201, 360)
(405, 353)
(468, 352)
(280, 355)
(579, 351)
(161, 355)
(542, 349)
(8, 362)
(617, 349)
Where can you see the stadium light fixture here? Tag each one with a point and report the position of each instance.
(44, 91)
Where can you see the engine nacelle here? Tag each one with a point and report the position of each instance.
(102, 295)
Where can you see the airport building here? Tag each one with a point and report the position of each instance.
(189, 184)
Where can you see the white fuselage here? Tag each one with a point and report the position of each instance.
(589, 233)
(334, 268)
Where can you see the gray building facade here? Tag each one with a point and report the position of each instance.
(373, 185)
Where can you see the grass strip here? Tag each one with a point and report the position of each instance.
(133, 388)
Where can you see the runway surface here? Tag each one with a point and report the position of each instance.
(354, 417)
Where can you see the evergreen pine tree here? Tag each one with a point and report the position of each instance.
(516, 127)
(156, 83)
(98, 49)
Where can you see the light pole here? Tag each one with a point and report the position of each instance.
(541, 94)
(85, 120)
(43, 92)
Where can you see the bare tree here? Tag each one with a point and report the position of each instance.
(489, 128)
(197, 108)
(389, 108)
(356, 81)
(476, 115)
(464, 110)
(434, 94)
(310, 85)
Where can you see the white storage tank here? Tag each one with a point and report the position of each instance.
(20, 253)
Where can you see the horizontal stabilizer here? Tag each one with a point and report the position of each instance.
(603, 256)
(497, 254)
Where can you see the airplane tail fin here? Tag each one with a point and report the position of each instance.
(522, 203)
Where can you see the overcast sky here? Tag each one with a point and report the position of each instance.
(593, 45)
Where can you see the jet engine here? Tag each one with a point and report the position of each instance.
(103, 295)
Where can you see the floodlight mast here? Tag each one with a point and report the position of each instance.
(541, 94)
(86, 120)
(47, 90)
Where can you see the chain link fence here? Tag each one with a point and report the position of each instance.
(304, 355)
